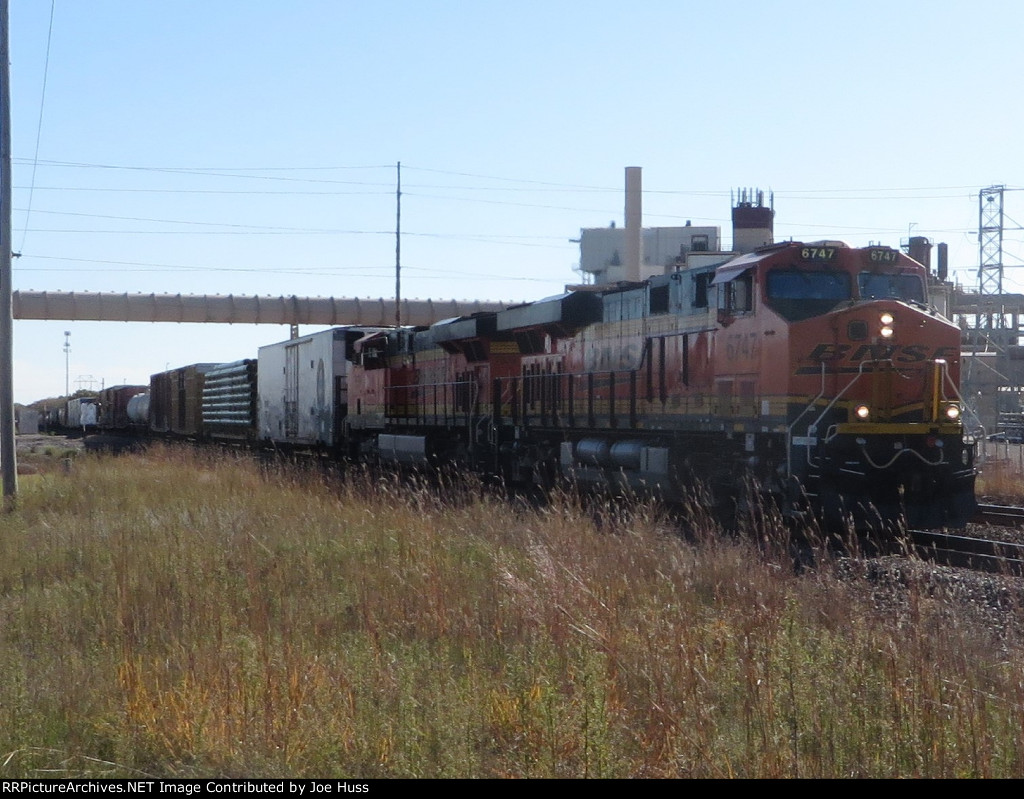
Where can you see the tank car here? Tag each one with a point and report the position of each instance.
(113, 403)
(138, 413)
(816, 371)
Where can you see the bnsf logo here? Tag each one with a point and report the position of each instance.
(909, 353)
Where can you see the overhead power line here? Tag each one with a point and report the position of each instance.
(39, 125)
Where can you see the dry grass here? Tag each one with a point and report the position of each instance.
(1001, 474)
(39, 454)
(177, 615)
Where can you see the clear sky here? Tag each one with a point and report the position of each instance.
(249, 147)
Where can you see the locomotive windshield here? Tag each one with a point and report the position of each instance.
(800, 294)
(874, 286)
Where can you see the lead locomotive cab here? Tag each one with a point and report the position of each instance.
(872, 406)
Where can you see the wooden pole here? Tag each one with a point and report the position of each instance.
(8, 449)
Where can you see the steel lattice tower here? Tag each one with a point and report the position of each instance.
(990, 240)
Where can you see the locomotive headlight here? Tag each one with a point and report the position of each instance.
(862, 412)
(887, 329)
(952, 412)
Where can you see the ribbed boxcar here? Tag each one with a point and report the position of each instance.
(176, 401)
(230, 402)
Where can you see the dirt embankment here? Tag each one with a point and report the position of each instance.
(42, 453)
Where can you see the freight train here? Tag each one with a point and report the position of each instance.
(817, 372)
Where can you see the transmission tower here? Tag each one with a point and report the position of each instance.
(990, 240)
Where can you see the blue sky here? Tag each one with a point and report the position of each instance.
(250, 147)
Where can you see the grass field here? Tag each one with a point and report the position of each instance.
(182, 615)
(1001, 473)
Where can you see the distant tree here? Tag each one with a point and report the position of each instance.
(55, 403)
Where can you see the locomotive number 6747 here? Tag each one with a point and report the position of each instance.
(818, 369)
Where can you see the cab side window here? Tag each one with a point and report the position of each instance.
(737, 295)
(700, 289)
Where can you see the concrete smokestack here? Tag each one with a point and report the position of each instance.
(634, 256)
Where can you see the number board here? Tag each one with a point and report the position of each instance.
(819, 254)
(882, 255)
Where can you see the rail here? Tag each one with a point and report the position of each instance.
(1000, 515)
(979, 554)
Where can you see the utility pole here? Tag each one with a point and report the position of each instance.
(398, 249)
(67, 364)
(8, 449)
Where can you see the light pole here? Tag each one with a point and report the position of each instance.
(67, 363)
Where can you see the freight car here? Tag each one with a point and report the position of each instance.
(303, 389)
(229, 402)
(816, 371)
(176, 401)
(113, 402)
(138, 412)
(82, 414)
(202, 401)
(293, 397)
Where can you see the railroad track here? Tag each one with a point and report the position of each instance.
(1002, 515)
(972, 552)
(981, 554)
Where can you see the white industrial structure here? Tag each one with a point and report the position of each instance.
(613, 254)
(665, 249)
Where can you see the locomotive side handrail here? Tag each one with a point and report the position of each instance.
(839, 395)
(419, 400)
(568, 399)
(789, 430)
(964, 407)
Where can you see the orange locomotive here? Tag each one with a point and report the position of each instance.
(818, 370)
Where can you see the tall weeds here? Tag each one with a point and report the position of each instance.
(184, 615)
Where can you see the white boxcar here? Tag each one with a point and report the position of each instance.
(82, 412)
(303, 387)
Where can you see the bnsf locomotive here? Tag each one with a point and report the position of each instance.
(816, 372)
